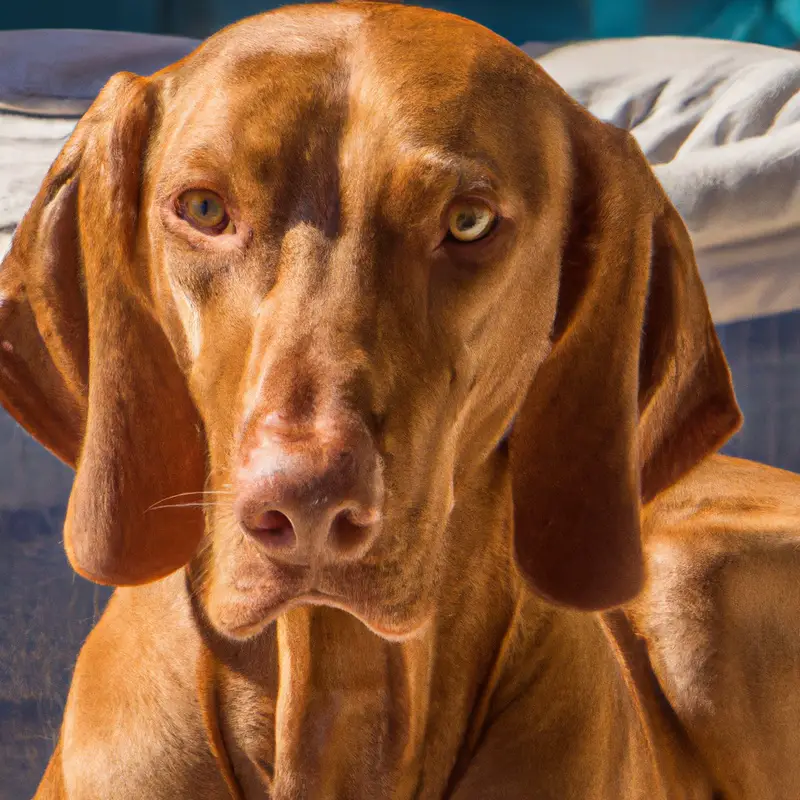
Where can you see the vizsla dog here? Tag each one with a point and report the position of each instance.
(393, 398)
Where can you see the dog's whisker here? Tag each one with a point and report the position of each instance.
(201, 493)
(211, 504)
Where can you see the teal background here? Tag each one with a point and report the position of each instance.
(775, 22)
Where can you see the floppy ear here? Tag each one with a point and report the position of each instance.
(85, 366)
(635, 391)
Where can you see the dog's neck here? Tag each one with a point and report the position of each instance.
(322, 707)
(363, 717)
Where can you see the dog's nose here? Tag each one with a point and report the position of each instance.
(305, 495)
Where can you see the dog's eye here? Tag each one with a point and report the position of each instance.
(204, 210)
(469, 222)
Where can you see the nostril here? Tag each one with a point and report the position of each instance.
(346, 534)
(271, 528)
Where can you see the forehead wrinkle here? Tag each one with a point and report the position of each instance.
(464, 172)
(195, 135)
(416, 176)
(391, 153)
(423, 95)
(266, 81)
(274, 99)
(444, 118)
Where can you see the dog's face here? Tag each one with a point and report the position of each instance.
(321, 269)
(340, 247)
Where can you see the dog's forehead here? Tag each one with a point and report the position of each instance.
(398, 72)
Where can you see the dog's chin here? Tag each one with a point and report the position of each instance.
(243, 613)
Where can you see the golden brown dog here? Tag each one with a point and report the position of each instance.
(391, 387)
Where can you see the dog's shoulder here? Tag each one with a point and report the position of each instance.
(135, 690)
(726, 539)
(721, 616)
(729, 529)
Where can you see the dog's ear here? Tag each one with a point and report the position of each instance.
(85, 366)
(635, 391)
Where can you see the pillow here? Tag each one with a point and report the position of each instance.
(720, 122)
(59, 72)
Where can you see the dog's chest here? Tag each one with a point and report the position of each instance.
(330, 747)
(301, 729)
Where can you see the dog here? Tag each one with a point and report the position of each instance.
(394, 402)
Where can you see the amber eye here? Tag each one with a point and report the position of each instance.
(469, 222)
(204, 210)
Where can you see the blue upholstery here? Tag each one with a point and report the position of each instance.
(764, 355)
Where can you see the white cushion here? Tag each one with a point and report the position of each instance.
(60, 72)
(720, 122)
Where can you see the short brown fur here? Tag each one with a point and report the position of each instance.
(592, 606)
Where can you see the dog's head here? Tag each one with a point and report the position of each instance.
(289, 295)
